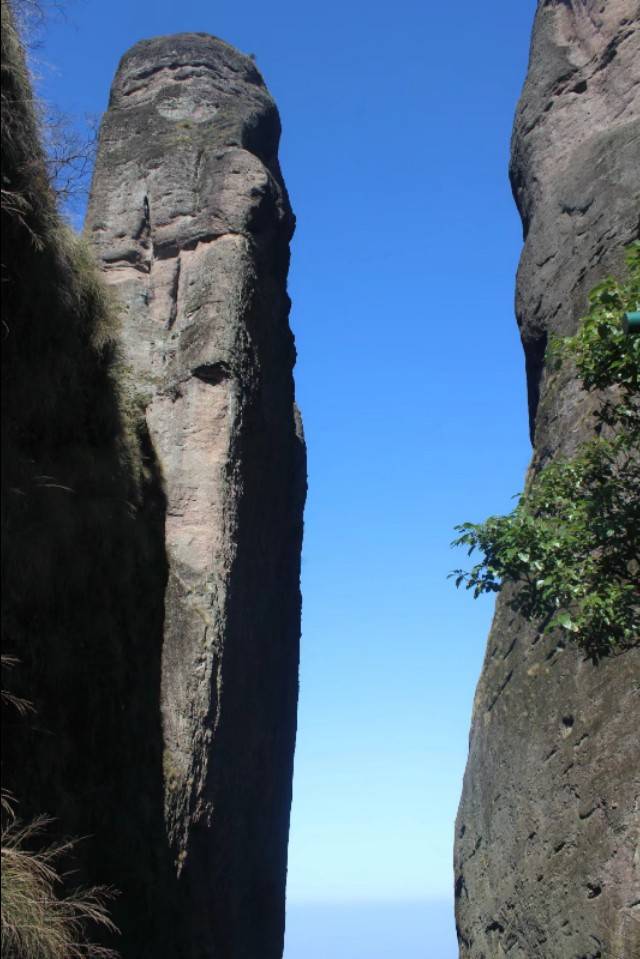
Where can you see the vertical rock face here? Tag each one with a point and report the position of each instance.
(546, 857)
(192, 222)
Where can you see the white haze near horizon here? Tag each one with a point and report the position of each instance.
(371, 930)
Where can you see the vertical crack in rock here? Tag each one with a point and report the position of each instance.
(560, 825)
(192, 221)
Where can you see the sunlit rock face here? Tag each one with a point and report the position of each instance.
(546, 854)
(191, 220)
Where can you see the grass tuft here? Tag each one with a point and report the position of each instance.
(38, 920)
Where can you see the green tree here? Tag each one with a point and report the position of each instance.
(571, 546)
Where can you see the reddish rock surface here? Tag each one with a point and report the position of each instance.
(191, 219)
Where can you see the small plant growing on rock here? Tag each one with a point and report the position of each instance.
(571, 547)
(38, 921)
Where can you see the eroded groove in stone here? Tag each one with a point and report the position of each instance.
(191, 218)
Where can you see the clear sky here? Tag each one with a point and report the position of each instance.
(396, 120)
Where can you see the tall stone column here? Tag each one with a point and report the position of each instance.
(546, 853)
(190, 217)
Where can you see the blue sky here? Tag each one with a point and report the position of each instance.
(396, 120)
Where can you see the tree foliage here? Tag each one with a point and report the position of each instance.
(571, 546)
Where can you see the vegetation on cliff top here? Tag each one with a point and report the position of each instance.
(572, 544)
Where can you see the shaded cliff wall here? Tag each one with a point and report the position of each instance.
(83, 555)
(192, 221)
(546, 852)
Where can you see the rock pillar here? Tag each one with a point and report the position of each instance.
(192, 222)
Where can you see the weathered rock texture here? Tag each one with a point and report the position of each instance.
(547, 863)
(192, 222)
(152, 504)
(83, 554)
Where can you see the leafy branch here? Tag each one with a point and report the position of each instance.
(571, 546)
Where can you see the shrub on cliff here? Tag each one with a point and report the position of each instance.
(571, 546)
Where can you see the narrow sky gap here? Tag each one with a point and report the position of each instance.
(396, 125)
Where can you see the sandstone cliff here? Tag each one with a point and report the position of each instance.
(546, 857)
(192, 221)
(154, 480)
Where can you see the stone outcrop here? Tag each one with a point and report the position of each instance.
(546, 857)
(191, 220)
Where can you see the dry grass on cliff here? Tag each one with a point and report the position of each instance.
(37, 921)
